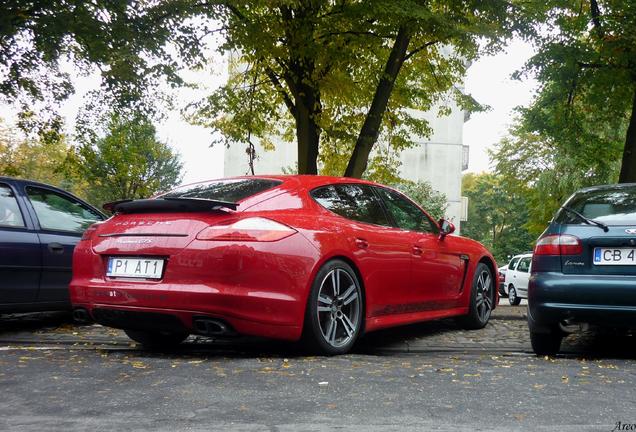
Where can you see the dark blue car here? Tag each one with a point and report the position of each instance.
(584, 266)
(39, 227)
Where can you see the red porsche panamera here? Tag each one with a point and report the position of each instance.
(284, 257)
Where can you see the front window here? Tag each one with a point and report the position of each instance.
(224, 190)
(58, 212)
(513, 263)
(615, 206)
(407, 215)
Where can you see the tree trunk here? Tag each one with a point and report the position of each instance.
(308, 107)
(628, 166)
(371, 127)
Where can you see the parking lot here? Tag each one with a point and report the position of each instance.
(58, 376)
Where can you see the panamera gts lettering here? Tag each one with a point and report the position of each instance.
(135, 241)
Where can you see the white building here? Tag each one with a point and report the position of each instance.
(438, 159)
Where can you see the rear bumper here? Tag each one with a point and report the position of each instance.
(163, 319)
(247, 311)
(600, 300)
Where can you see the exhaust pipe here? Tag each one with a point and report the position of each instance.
(82, 316)
(212, 327)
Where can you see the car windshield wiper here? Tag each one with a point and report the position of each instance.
(586, 219)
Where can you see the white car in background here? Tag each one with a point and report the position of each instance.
(517, 277)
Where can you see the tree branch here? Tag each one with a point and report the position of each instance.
(351, 32)
(418, 49)
(596, 18)
(281, 90)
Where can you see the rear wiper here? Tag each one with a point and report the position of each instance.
(586, 219)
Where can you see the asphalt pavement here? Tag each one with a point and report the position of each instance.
(58, 376)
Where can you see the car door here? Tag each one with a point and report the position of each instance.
(381, 250)
(20, 257)
(61, 220)
(437, 268)
(522, 276)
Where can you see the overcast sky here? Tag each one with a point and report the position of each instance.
(488, 81)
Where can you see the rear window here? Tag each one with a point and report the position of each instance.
(611, 207)
(224, 190)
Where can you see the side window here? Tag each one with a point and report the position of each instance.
(406, 215)
(60, 213)
(352, 201)
(513, 263)
(10, 214)
(524, 265)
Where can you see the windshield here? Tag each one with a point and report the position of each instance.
(610, 206)
(224, 190)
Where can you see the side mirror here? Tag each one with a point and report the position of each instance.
(445, 228)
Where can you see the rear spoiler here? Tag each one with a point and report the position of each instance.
(167, 204)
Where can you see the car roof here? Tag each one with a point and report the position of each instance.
(27, 181)
(524, 255)
(305, 180)
(46, 185)
(615, 186)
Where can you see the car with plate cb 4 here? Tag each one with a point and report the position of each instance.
(584, 266)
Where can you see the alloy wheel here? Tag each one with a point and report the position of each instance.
(484, 297)
(338, 307)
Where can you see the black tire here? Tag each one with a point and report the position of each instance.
(342, 307)
(482, 297)
(156, 339)
(546, 343)
(513, 298)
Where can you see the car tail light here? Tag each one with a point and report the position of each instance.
(251, 229)
(558, 245)
(88, 234)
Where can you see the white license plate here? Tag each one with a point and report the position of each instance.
(614, 256)
(147, 268)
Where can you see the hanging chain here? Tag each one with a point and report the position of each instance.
(251, 149)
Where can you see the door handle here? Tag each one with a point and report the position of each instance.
(417, 250)
(56, 248)
(362, 243)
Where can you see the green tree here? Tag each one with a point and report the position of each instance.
(132, 44)
(335, 76)
(496, 215)
(546, 172)
(434, 202)
(34, 158)
(586, 65)
(127, 162)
